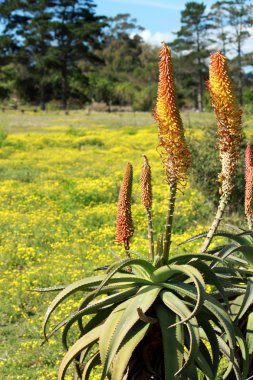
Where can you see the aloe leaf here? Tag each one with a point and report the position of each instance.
(173, 341)
(233, 364)
(97, 319)
(143, 299)
(192, 238)
(204, 361)
(243, 352)
(239, 238)
(109, 329)
(145, 265)
(86, 285)
(249, 332)
(247, 251)
(178, 306)
(163, 273)
(93, 362)
(186, 257)
(50, 289)
(199, 283)
(241, 304)
(95, 308)
(191, 373)
(89, 309)
(224, 320)
(128, 345)
(208, 333)
(77, 348)
(202, 267)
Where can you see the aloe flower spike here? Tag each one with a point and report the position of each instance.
(228, 116)
(125, 229)
(174, 151)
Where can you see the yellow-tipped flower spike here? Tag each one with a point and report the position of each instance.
(175, 153)
(146, 186)
(229, 117)
(125, 227)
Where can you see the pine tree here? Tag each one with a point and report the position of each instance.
(192, 43)
(237, 18)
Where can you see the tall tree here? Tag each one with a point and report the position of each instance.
(238, 20)
(218, 16)
(51, 37)
(121, 53)
(76, 32)
(192, 43)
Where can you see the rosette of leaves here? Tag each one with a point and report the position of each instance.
(153, 323)
(238, 284)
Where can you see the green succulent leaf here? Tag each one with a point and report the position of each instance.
(242, 303)
(129, 343)
(208, 333)
(146, 269)
(204, 361)
(87, 284)
(92, 363)
(249, 332)
(173, 340)
(233, 363)
(212, 279)
(243, 352)
(215, 307)
(81, 344)
(143, 299)
(179, 307)
(96, 307)
(110, 327)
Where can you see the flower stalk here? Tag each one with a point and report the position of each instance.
(174, 151)
(249, 185)
(228, 115)
(146, 197)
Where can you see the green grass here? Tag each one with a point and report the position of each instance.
(60, 175)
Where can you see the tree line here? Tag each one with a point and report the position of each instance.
(62, 52)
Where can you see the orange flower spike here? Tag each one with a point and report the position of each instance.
(229, 117)
(125, 227)
(175, 153)
(146, 186)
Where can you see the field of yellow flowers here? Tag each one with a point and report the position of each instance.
(59, 181)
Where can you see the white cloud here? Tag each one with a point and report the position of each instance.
(157, 37)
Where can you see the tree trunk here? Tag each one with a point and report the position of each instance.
(200, 78)
(240, 75)
(64, 86)
(42, 98)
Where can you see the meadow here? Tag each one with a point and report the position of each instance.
(60, 176)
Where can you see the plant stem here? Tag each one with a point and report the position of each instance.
(169, 220)
(221, 208)
(150, 234)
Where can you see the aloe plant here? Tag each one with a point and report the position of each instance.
(238, 254)
(154, 321)
(165, 317)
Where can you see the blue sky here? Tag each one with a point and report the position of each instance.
(159, 17)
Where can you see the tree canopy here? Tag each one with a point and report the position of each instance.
(62, 52)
